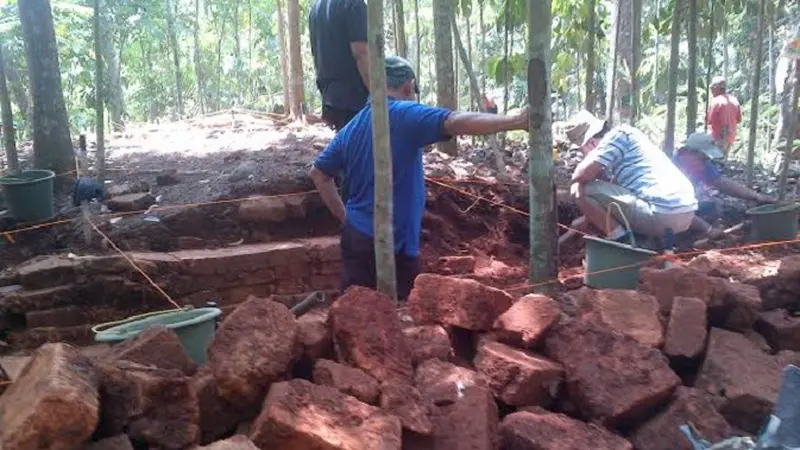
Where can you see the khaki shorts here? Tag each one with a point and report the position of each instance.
(639, 213)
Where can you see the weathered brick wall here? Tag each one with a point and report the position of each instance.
(57, 298)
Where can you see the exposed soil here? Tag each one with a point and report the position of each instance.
(199, 169)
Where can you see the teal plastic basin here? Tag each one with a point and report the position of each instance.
(611, 265)
(774, 223)
(29, 194)
(194, 327)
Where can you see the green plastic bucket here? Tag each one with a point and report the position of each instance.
(29, 194)
(602, 256)
(194, 327)
(774, 223)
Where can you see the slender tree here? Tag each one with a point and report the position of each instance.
(99, 97)
(283, 55)
(754, 94)
(790, 118)
(473, 81)
(691, 95)
(618, 91)
(543, 264)
(52, 146)
(672, 90)
(176, 59)
(416, 33)
(198, 70)
(709, 60)
(381, 149)
(612, 109)
(636, 56)
(401, 42)
(482, 45)
(9, 141)
(590, 41)
(445, 76)
(295, 60)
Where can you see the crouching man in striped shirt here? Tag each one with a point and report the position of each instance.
(622, 166)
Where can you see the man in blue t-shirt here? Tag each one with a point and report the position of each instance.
(412, 126)
(695, 158)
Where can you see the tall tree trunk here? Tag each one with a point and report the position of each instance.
(382, 154)
(725, 57)
(9, 141)
(636, 56)
(506, 55)
(176, 60)
(456, 73)
(401, 42)
(220, 38)
(658, 57)
(445, 77)
(620, 89)
(249, 96)
(416, 32)
(611, 81)
(198, 69)
(590, 41)
(237, 53)
(114, 93)
(20, 93)
(295, 60)
(751, 142)
(709, 62)
(773, 95)
(52, 146)
(473, 81)
(283, 56)
(672, 90)
(691, 95)
(790, 118)
(482, 45)
(99, 98)
(543, 265)
(473, 94)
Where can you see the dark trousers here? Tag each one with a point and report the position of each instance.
(337, 118)
(358, 263)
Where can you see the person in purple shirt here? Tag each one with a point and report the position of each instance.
(695, 158)
(412, 126)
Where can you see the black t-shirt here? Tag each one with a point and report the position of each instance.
(333, 25)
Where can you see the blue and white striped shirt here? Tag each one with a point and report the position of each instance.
(635, 163)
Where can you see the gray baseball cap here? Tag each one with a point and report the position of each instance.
(399, 71)
(703, 143)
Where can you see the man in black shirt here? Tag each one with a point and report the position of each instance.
(338, 30)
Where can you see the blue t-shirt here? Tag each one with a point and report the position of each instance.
(412, 126)
(710, 171)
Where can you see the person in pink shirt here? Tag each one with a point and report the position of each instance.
(724, 115)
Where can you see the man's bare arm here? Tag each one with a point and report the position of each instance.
(475, 124)
(328, 192)
(734, 189)
(360, 52)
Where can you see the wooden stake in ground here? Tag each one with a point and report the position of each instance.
(83, 171)
(382, 154)
(543, 235)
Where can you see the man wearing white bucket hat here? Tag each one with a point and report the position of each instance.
(623, 178)
(695, 158)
